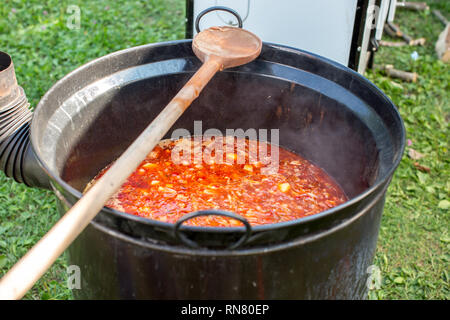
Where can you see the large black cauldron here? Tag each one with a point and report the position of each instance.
(324, 111)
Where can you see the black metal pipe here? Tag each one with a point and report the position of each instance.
(17, 159)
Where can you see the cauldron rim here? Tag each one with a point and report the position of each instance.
(259, 228)
(213, 252)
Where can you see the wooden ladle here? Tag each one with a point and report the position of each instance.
(218, 48)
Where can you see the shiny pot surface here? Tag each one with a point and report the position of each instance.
(324, 111)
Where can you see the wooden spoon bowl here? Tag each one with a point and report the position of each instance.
(232, 46)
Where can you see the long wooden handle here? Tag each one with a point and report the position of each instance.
(33, 265)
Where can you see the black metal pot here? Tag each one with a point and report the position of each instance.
(324, 111)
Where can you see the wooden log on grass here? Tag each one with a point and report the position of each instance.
(419, 6)
(394, 31)
(441, 18)
(390, 71)
(415, 42)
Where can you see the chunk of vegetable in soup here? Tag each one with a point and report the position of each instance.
(190, 174)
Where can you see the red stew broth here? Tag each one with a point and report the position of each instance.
(231, 177)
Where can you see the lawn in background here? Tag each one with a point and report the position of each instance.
(414, 241)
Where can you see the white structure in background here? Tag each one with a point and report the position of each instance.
(329, 28)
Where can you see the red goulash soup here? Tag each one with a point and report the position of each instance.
(171, 182)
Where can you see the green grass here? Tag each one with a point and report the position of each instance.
(414, 241)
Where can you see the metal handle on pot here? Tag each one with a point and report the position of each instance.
(217, 8)
(184, 239)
